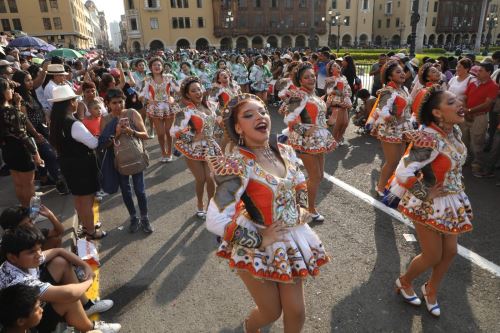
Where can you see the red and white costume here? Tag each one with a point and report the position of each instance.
(158, 96)
(249, 199)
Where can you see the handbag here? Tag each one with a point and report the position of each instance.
(131, 156)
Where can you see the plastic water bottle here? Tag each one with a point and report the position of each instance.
(35, 204)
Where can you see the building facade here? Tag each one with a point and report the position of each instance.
(154, 24)
(444, 23)
(60, 22)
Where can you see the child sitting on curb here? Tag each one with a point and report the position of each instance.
(51, 271)
(20, 308)
(363, 110)
(15, 216)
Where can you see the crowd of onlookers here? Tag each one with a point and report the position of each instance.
(60, 118)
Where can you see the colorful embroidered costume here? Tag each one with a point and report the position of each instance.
(159, 96)
(283, 87)
(304, 111)
(338, 92)
(433, 157)
(249, 199)
(240, 73)
(392, 114)
(259, 78)
(221, 95)
(188, 123)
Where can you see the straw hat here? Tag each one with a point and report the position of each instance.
(56, 69)
(62, 93)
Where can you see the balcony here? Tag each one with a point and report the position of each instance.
(295, 30)
(153, 9)
(152, 5)
(134, 34)
(131, 12)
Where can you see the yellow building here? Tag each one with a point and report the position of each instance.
(155, 24)
(63, 22)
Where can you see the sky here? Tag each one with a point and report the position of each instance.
(112, 8)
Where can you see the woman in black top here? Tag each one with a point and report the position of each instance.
(74, 145)
(38, 128)
(18, 150)
(349, 71)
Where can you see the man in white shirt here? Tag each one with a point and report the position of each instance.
(58, 78)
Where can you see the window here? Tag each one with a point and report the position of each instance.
(388, 8)
(274, 3)
(434, 21)
(131, 4)
(5, 25)
(334, 4)
(199, 3)
(47, 25)
(12, 6)
(436, 7)
(256, 3)
(242, 22)
(173, 3)
(179, 3)
(201, 22)
(133, 24)
(153, 4)
(181, 23)
(153, 23)
(53, 4)
(185, 3)
(388, 23)
(57, 23)
(187, 22)
(347, 4)
(347, 21)
(364, 5)
(17, 24)
(288, 4)
(379, 24)
(3, 9)
(175, 24)
(43, 6)
(397, 22)
(302, 3)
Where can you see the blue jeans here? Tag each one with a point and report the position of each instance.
(140, 193)
(49, 157)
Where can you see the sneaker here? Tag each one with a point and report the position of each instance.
(134, 225)
(99, 306)
(201, 214)
(317, 218)
(107, 327)
(166, 159)
(146, 226)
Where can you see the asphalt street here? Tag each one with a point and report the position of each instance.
(171, 281)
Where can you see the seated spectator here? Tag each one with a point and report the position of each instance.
(20, 308)
(15, 216)
(51, 271)
(363, 110)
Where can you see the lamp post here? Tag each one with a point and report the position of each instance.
(338, 22)
(401, 28)
(330, 22)
(491, 22)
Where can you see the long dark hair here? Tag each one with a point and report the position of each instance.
(19, 77)
(350, 71)
(57, 116)
(4, 85)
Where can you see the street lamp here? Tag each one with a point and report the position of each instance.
(491, 22)
(415, 17)
(401, 28)
(338, 22)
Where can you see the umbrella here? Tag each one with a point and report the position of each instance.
(28, 41)
(47, 48)
(65, 53)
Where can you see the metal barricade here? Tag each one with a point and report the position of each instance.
(363, 72)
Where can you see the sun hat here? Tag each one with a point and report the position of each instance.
(56, 69)
(5, 63)
(62, 93)
(287, 57)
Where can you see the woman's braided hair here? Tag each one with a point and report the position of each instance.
(299, 70)
(429, 102)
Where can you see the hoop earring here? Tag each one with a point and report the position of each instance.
(241, 142)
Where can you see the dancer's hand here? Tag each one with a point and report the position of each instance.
(272, 234)
(435, 191)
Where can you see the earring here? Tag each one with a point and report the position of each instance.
(241, 142)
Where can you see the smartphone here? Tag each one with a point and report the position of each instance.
(124, 122)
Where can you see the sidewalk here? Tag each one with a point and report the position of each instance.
(61, 205)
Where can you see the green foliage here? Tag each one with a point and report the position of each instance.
(436, 50)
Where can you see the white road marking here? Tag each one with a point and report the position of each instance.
(464, 252)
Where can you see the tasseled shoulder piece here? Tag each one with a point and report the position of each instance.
(420, 139)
